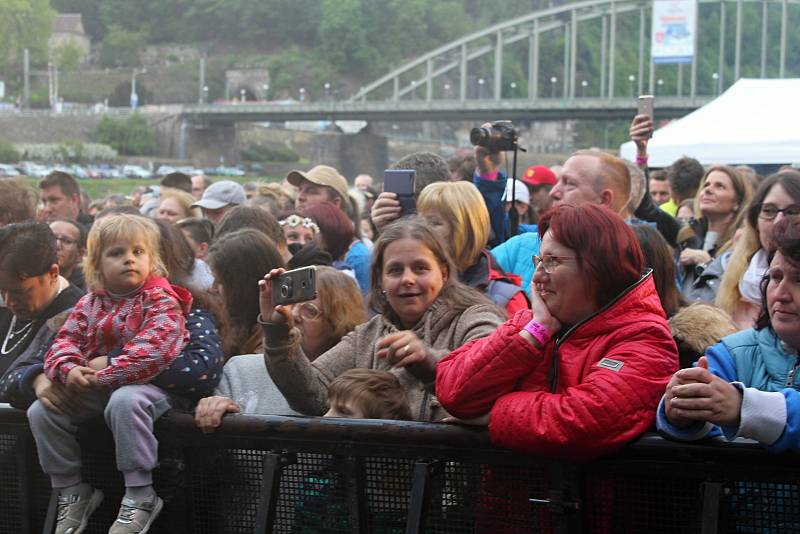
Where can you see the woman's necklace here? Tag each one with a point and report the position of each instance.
(22, 332)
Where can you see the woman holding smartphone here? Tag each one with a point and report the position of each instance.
(423, 313)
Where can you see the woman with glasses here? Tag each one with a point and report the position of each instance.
(70, 249)
(739, 293)
(322, 323)
(747, 385)
(580, 374)
(37, 299)
(423, 312)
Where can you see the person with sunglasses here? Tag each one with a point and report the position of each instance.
(247, 388)
(580, 374)
(739, 291)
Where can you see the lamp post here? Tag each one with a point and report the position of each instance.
(481, 83)
(205, 94)
(584, 85)
(447, 91)
(242, 95)
(660, 85)
(265, 91)
(632, 79)
(513, 86)
(553, 82)
(302, 92)
(715, 77)
(327, 88)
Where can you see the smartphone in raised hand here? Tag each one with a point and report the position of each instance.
(294, 286)
(402, 182)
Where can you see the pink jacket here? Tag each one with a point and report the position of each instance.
(148, 328)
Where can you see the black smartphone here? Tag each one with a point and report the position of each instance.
(401, 182)
(294, 286)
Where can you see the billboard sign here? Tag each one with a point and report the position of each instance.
(674, 27)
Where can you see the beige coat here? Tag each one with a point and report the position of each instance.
(305, 384)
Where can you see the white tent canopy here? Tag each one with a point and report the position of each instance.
(753, 122)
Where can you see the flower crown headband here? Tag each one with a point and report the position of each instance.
(296, 220)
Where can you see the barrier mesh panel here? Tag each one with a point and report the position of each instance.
(388, 488)
(652, 504)
(10, 505)
(764, 507)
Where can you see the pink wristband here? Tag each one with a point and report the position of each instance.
(538, 331)
(641, 160)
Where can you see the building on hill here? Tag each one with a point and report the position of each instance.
(68, 27)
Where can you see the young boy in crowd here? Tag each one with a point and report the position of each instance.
(367, 394)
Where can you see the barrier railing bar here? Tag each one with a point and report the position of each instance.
(425, 471)
(712, 492)
(356, 494)
(274, 463)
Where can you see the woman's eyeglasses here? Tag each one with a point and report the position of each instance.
(770, 211)
(309, 311)
(549, 262)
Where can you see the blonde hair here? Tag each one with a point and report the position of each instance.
(340, 301)
(744, 192)
(184, 200)
(115, 229)
(462, 206)
(749, 242)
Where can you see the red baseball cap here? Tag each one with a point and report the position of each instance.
(539, 175)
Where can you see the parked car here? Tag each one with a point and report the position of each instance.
(8, 170)
(34, 170)
(136, 171)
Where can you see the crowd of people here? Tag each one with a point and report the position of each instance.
(630, 299)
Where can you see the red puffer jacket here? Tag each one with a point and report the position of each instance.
(586, 394)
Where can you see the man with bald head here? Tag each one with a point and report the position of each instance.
(588, 176)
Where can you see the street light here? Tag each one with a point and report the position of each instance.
(243, 95)
(632, 79)
(265, 91)
(584, 85)
(205, 94)
(327, 87)
(715, 77)
(302, 92)
(660, 84)
(447, 90)
(553, 82)
(481, 81)
(513, 86)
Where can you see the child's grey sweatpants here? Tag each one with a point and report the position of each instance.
(129, 412)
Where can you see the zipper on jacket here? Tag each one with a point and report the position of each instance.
(554, 360)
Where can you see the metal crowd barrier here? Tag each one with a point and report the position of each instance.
(305, 475)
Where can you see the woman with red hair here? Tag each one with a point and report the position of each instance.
(336, 232)
(579, 375)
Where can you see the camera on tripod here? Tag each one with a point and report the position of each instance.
(500, 136)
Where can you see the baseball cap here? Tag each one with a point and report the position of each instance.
(321, 175)
(539, 175)
(220, 194)
(520, 193)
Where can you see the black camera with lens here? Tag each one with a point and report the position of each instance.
(499, 137)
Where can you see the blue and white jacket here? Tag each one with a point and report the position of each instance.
(764, 369)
